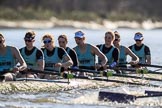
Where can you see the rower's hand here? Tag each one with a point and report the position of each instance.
(112, 65)
(133, 62)
(58, 65)
(98, 66)
(16, 70)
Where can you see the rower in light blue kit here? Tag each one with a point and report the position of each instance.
(55, 57)
(124, 51)
(140, 49)
(32, 55)
(9, 56)
(62, 40)
(111, 52)
(86, 53)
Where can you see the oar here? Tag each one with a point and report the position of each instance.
(70, 76)
(137, 70)
(110, 73)
(151, 93)
(147, 65)
(121, 97)
(141, 64)
(40, 80)
(52, 72)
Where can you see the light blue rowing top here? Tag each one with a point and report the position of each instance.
(86, 58)
(123, 56)
(140, 54)
(108, 55)
(30, 60)
(7, 61)
(51, 60)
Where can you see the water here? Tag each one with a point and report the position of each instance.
(82, 98)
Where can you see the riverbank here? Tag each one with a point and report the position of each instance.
(54, 22)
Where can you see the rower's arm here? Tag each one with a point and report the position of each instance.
(135, 59)
(20, 59)
(97, 52)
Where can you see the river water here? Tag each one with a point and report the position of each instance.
(82, 98)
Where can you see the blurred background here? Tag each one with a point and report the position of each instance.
(145, 14)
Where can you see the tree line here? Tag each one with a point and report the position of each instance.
(138, 10)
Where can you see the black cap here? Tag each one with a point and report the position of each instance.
(29, 35)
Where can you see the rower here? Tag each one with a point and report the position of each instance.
(86, 53)
(111, 52)
(140, 49)
(32, 55)
(9, 56)
(55, 57)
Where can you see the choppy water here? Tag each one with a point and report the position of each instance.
(83, 98)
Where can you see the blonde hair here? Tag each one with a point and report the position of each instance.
(63, 36)
(111, 33)
(48, 36)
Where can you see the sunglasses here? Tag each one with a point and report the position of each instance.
(138, 40)
(47, 41)
(77, 38)
(116, 39)
(0, 41)
(26, 40)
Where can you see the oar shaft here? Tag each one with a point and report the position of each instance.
(147, 65)
(116, 81)
(43, 72)
(141, 64)
(155, 95)
(136, 77)
(112, 74)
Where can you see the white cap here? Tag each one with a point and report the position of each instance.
(138, 36)
(79, 34)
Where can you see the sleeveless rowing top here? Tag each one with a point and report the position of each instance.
(51, 60)
(7, 61)
(67, 50)
(122, 56)
(108, 55)
(86, 58)
(140, 54)
(30, 60)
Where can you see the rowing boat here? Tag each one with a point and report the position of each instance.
(28, 85)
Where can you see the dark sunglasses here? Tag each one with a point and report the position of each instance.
(138, 40)
(47, 41)
(78, 38)
(116, 39)
(1, 41)
(28, 40)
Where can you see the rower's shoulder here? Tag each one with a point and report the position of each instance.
(13, 48)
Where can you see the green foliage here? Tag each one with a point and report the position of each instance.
(25, 14)
(79, 15)
(126, 16)
(82, 10)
